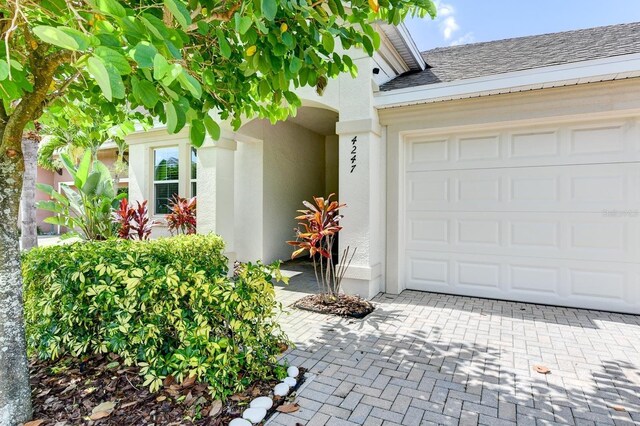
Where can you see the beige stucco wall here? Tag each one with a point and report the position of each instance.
(331, 161)
(293, 171)
(249, 199)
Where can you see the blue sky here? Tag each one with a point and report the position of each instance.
(469, 21)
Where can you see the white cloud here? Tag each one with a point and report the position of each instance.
(446, 19)
(465, 39)
(445, 10)
(449, 26)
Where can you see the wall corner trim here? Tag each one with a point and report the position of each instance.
(361, 272)
(358, 126)
(222, 143)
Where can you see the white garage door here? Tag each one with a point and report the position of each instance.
(543, 214)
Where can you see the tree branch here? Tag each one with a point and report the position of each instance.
(77, 15)
(221, 16)
(31, 105)
(197, 11)
(3, 113)
(13, 25)
(60, 90)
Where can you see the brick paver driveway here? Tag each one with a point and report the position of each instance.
(424, 358)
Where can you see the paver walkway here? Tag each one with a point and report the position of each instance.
(423, 358)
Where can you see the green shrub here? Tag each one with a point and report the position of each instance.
(165, 305)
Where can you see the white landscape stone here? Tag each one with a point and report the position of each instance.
(293, 371)
(239, 422)
(254, 415)
(290, 381)
(281, 389)
(262, 402)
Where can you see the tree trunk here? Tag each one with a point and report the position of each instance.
(15, 393)
(29, 236)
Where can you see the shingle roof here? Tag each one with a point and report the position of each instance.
(516, 54)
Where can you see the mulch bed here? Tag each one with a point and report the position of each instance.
(345, 306)
(67, 392)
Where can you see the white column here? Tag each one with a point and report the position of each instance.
(216, 191)
(361, 188)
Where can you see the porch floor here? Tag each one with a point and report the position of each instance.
(424, 358)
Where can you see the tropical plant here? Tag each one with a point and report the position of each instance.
(317, 235)
(179, 60)
(165, 305)
(182, 215)
(133, 223)
(84, 208)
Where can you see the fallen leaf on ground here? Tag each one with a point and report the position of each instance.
(129, 404)
(87, 391)
(615, 407)
(189, 381)
(168, 381)
(161, 398)
(99, 415)
(69, 388)
(541, 369)
(105, 406)
(34, 423)
(216, 407)
(288, 408)
(237, 397)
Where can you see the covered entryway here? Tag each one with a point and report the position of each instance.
(277, 167)
(546, 213)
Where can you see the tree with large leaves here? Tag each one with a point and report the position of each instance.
(177, 59)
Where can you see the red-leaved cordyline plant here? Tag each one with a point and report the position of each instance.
(316, 234)
(182, 218)
(134, 222)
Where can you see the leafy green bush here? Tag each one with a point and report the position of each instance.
(165, 305)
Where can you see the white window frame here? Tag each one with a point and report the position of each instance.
(154, 182)
(192, 180)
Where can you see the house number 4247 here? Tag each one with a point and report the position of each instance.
(354, 151)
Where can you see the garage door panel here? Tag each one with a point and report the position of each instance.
(605, 139)
(589, 143)
(569, 235)
(591, 187)
(533, 145)
(576, 283)
(472, 149)
(545, 214)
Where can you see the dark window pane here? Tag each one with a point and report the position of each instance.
(165, 161)
(194, 163)
(194, 189)
(164, 192)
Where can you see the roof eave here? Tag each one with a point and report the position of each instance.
(404, 45)
(612, 68)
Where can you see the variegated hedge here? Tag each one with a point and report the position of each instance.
(166, 305)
